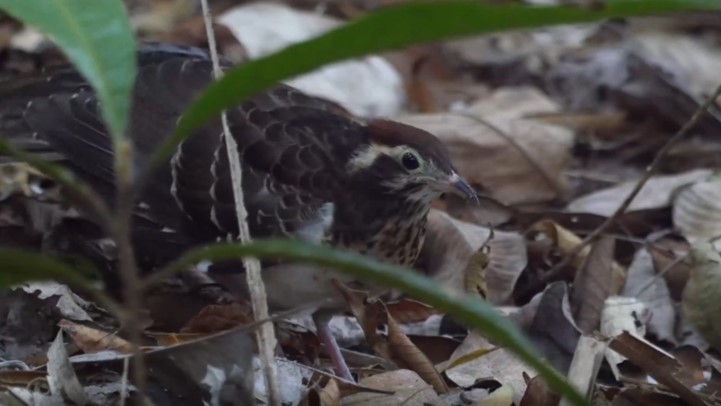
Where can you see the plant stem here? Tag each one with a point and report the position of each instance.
(132, 285)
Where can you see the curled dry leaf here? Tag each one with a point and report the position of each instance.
(657, 193)
(450, 244)
(92, 340)
(598, 279)
(504, 132)
(646, 285)
(697, 210)
(701, 304)
(474, 279)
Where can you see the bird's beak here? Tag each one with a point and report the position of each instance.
(456, 185)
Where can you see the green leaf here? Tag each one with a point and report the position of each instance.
(20, 266)
(474, 312)
(395, 27)
(97, 37)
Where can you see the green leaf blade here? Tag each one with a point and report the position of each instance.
(475, 313)
(398, 26)
(97, 37)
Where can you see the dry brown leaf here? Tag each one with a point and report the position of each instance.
(525, 163)
(658, 365)
(409, 311)
(92, 340)
(539, 394)
(701, 304)
(216, 318)
(397, 346)
(597, 279)
(438, 348)
(404, 349)
(407, 386)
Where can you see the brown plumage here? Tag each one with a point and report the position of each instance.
(310, 171)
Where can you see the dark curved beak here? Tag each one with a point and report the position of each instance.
(458, 186)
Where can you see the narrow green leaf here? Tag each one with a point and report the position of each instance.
(97, 37)
(20, 266)
(398, 26)
(476, 313)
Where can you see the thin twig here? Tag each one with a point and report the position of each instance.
(265, 334)
(556, 271)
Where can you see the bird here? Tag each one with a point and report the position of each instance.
(310, 171)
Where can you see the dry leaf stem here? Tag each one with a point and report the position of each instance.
(265, 334)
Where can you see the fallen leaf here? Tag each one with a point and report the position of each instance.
(646, 285)
(657, 193)
(367, 87)
(91, 340)
(553, 329)
(216, 318)
(539, 394)
(597, 279)
(660, 366)
(407, 386)
(61, 375)
(476, 358)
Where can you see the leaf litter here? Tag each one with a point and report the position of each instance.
(553, 127)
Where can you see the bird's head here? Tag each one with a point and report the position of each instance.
(406, 161)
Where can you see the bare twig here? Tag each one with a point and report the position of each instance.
(556, 271)
(265, 333)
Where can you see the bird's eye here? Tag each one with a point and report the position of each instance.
(410, 161)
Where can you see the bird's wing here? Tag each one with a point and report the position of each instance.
(292, 146)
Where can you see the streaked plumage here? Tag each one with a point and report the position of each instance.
(310, 170)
